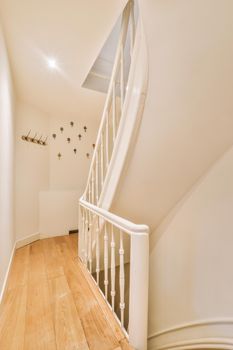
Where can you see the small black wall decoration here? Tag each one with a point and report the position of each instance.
(64, 138)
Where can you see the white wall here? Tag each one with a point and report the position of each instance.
(48, 189)
(6, 164)
(58, 212)
(70, 172)
(67, 176)
(187, 122)
(191, 264)
(32, 169)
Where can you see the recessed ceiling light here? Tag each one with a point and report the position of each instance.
(52, 63)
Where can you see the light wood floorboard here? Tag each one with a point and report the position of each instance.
(51, 302)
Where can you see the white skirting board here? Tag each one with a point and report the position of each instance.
(7, 274)
(18, 244)
(27, 240)
(216, 333)
(198, 344)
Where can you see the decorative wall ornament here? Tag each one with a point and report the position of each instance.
(37, 141)
(55, 136)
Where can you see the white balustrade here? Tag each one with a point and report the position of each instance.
(122, 279)
(113, 268)
(122, 85)
(97, 177)
(110, 121)
(114, 111)
(90, 242)
(106, 261)
(107, 141)
(92, 187)
(97, 251)
(115, 232)
(103, 233)
(102, 160)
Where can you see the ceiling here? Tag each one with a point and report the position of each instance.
(73, 32)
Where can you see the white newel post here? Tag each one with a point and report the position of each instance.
(139, 284)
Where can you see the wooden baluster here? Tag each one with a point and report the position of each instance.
(89, 192)
(86, 237)
(132, 28)
(83, 233)
(122, 279)
(90, 242)
(97, 251)
(107, 141)
(92, 187)
(122, 87)
(114, 110)
(102, 161)
(113, 268)
(97, 177)
(106, 260)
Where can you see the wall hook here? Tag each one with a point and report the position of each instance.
(26, 138)
(44, 142)
(40, 142)
(34, 139)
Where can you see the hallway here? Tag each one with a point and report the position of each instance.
(51, 303)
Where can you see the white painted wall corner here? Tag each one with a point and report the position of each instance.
(2, 292)
(27, 240)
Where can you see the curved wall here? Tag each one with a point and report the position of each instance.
(191, 259)
(187, 122)
(7, 238)
(186, 128)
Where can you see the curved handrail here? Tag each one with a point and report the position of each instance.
(126, 225)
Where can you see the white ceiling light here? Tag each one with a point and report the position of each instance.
(52, 63)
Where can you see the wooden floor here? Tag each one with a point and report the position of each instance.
(51, 302)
